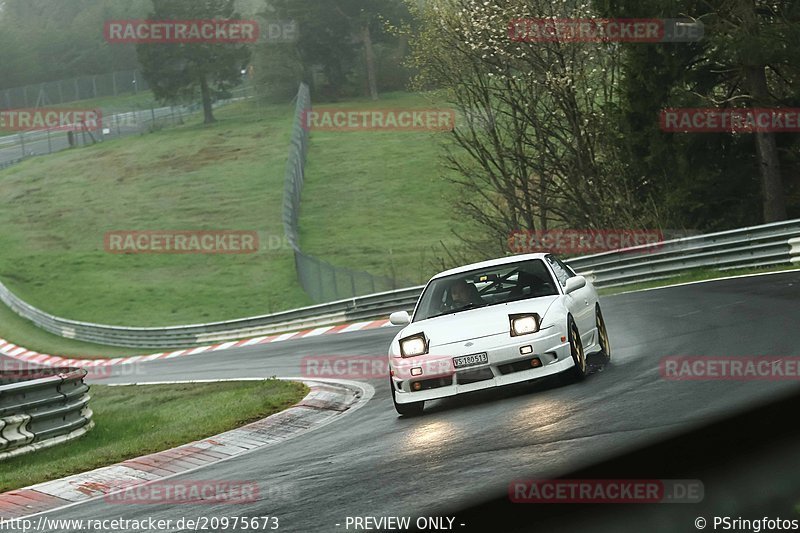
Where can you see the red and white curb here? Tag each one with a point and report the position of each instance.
(28, 356)
(328, 401)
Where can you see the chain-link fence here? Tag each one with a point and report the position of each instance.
(322, 281)
(82, 88)
(327, 283)
(23, 145)
(295, 168)
(16, 147)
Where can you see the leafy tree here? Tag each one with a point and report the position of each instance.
(178, 70)
(338, 37)
(758, 43)
(746, 58)
(44, 41)
(535, 148)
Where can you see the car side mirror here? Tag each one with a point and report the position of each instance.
(573, 284)
(400, 318)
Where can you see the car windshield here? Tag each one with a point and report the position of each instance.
(489, 286)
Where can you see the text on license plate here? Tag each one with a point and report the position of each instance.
(470, 360)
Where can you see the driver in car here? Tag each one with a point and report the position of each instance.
(464, 294)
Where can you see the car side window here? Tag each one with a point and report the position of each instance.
(561, 273)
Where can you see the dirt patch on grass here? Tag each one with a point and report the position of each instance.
(183, 163)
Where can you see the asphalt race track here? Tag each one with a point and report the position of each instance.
(467, 449)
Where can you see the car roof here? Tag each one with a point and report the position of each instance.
(490, 263)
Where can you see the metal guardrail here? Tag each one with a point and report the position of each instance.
(756, 246)
(359, 308)
(748, 247)
(45, 411)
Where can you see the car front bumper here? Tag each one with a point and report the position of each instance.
(506, 366)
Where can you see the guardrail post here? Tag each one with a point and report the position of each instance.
(794, 252)
(589, 274)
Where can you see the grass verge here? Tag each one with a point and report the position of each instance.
(55, 211)
(378, 201)
(132, 421)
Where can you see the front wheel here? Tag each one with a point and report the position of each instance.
(580, 370)
(406, 409)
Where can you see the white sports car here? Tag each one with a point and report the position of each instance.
(494, 323)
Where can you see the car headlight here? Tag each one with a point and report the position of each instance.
(414, 345)
(524, 324)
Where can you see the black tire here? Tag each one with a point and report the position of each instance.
(602, 333)
(580, 370)
(406, 409)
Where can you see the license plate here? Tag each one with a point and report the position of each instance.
(470, 360)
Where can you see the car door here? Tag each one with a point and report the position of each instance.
(580, 303)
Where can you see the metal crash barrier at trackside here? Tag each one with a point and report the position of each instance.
(42, 408)
(757, 246)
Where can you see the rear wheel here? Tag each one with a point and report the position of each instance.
(579, 371)
(602, 333)
(406, 409)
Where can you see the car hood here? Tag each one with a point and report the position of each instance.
(476, 323)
